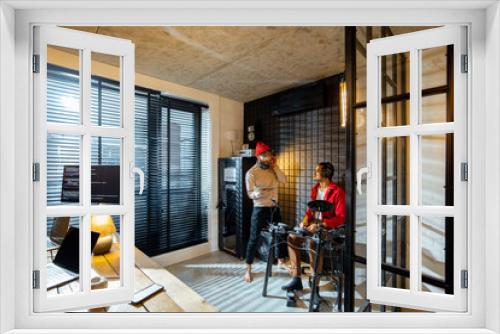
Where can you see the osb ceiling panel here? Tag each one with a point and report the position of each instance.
(241, 63)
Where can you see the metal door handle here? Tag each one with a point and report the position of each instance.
(359, 176)
(136, 170)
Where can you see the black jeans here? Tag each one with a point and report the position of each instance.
(261, 216)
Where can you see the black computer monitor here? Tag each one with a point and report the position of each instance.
(105, 184)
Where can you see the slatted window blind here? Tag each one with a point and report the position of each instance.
(205, 171)
(171, 147)
(181, 152)
(142, 202)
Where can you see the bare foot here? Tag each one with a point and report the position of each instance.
(248, 276)
(282, 264)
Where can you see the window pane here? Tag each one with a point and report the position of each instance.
(63, 85)
(63, 259)
(363, 36)
(360, 228)
(436, 169)
(205, 170)
(105, 170)
(395, 250)
(434, 109)
(395, 113)
(433, 238)
(431, 288)
(106, 97)
(359, 284)
(395, 170)
(184, 175)
(395, 89)
(434, 74)
(105, 273)
(63, 163)
(142, 161)
(434, 67)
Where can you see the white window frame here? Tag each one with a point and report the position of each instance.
(86, 43)
(413, 43)
(483, 121)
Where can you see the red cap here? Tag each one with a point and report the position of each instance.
(261, 148)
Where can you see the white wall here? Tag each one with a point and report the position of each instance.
(7, 167)
(492, 125)
(225, 114)
(234, 122)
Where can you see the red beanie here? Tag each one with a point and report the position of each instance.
(261, 148)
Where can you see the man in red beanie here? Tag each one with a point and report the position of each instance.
(262, 181)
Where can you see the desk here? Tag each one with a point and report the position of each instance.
(177, 296)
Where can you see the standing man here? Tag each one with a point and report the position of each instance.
(262, 181)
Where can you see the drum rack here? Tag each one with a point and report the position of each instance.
(330, 240)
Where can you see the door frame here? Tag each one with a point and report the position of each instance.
(334, 15)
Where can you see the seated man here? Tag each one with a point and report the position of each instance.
(325, 189)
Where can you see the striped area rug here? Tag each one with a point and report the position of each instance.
(218, 277)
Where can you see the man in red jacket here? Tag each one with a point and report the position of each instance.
(324, 189)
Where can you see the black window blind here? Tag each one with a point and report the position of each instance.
(171, 147)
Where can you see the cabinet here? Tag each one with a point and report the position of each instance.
(235, 208)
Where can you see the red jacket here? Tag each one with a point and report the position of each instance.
(335, 195)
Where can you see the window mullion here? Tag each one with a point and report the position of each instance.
(85, 181)
(414, 170)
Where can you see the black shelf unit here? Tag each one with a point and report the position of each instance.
(235, 208)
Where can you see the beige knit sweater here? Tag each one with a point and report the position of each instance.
(262, 185)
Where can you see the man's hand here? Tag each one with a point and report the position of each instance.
(273, 161)
(260, 192)
(313, 228)
(304, 223)
(257, 194)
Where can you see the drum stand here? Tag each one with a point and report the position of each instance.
(270, 260)
(275, 229)
(336, 260)
(336, 253)
(315, 300)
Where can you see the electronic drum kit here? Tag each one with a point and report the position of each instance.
(331, 240)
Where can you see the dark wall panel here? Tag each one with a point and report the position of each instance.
(301, 139)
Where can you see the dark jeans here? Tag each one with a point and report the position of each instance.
(261, 216)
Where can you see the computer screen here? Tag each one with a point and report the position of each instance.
(105, 184)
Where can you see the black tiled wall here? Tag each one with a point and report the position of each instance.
(301, 140)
